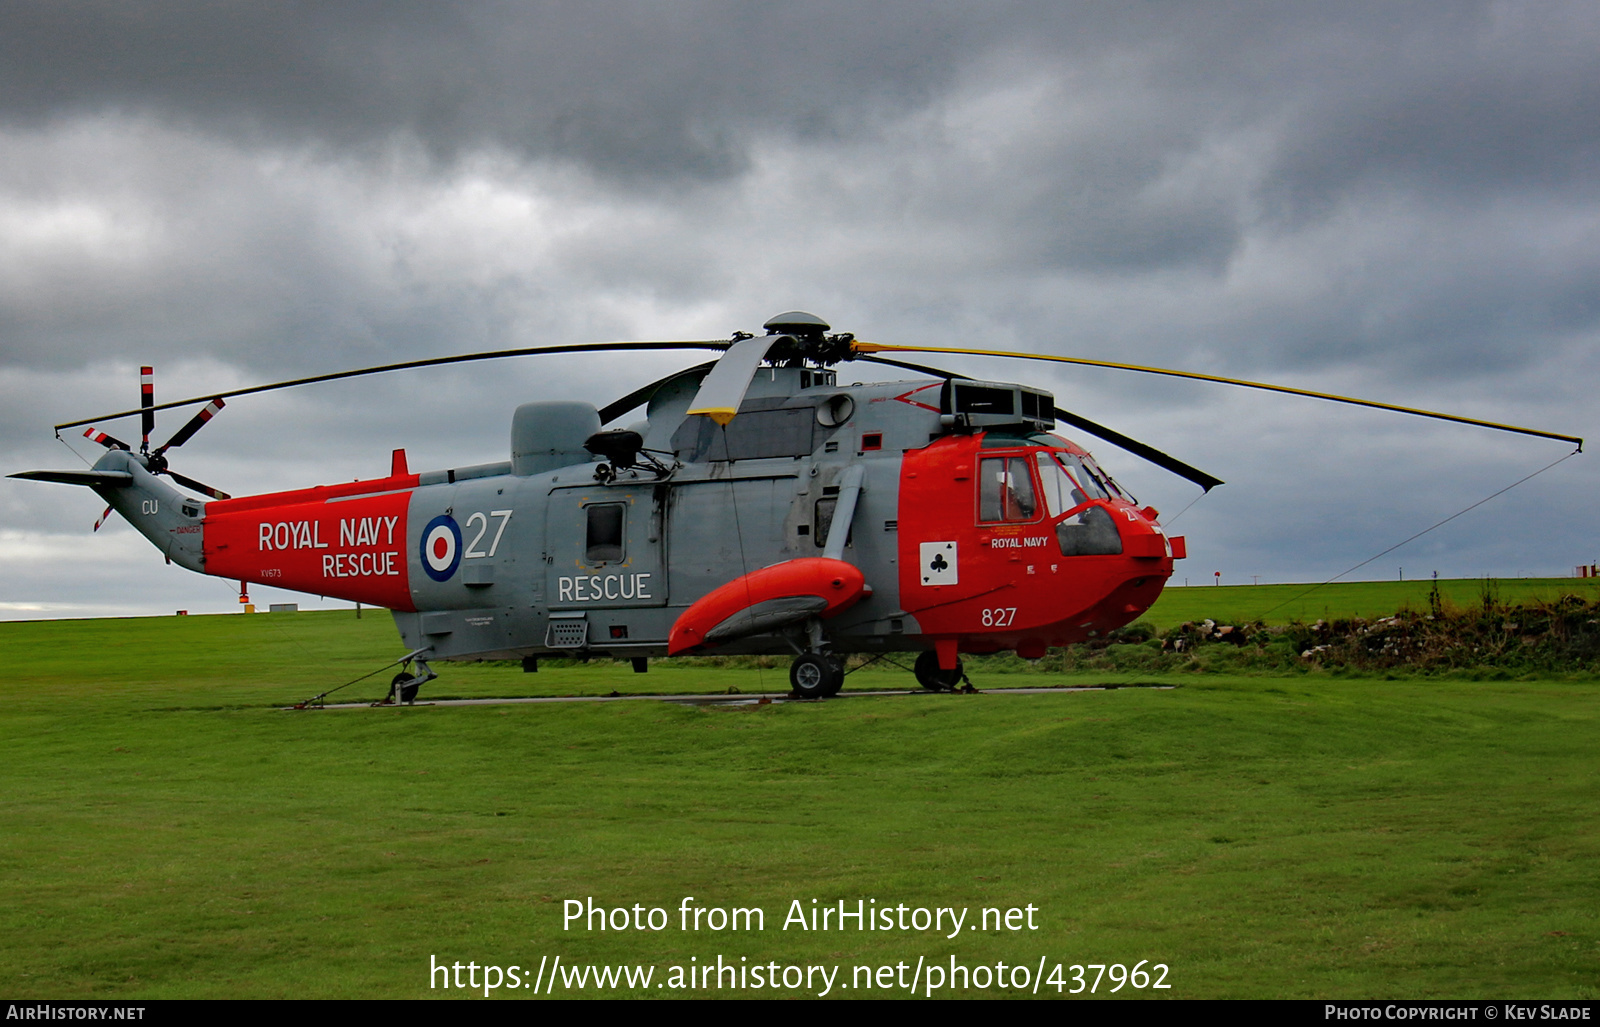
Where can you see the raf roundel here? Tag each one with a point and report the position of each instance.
(441, 547)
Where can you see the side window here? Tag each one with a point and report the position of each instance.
(822, 518)
(603, 540)
(1005, 490)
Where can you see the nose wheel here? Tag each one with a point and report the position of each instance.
(816, 675)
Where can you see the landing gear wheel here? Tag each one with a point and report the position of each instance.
(404, 687)
(816, 677)
(836, 679)
(929, 675)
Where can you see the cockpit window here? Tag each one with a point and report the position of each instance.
(1104, 480)
(1087, 476)
(1068, 485)
(1005, 490)
(1061, 492)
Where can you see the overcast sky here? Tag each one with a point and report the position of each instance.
(1394, 201)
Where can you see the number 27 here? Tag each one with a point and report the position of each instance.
(473, 552)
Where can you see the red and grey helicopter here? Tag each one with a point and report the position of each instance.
(760, 507)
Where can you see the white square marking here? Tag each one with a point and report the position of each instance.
(938, 563)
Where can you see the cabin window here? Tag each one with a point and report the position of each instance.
(1005, 490)
(822, 514)
(603, 541)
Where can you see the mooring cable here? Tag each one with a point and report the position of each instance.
(738, 533)
(1423, 532)
(1174, 518)
(407, 658)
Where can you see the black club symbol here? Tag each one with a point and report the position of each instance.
(939, 563)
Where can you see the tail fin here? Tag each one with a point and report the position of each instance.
(105, 479)
(158, 512)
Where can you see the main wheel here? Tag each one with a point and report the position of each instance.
(815, 677)
(929, 675)
(836, 668)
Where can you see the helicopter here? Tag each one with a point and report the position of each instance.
(760, 507)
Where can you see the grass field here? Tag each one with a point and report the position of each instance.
(1278, 604)
(167, 831)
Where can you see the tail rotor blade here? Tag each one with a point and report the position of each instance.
(196, 422)
(147, 402)
(108, 441)
(197, 486)
(103, 518)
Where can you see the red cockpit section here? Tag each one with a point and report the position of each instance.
(1004, 548)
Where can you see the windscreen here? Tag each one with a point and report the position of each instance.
(1061, 490)
(1086, 475)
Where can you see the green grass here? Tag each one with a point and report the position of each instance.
(165, 831)
(1280, 604)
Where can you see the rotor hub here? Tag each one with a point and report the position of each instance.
(808, 341)
(798, 323)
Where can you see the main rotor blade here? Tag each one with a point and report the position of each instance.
(615, 409)
(724, 388)
(876, 347)
(196, 422)
(1170, 463)
(582, 347)
(197, 485)
(1206, 481)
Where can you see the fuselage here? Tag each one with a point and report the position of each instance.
(979, 540)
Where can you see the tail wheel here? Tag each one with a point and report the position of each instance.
(929, 675)
(407, 687)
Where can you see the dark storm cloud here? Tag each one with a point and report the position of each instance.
(634, 90)
(1170, 133)
(659, 90)
(1472, 100)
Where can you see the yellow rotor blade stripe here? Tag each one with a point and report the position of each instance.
(721, 415)
(878, 347)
